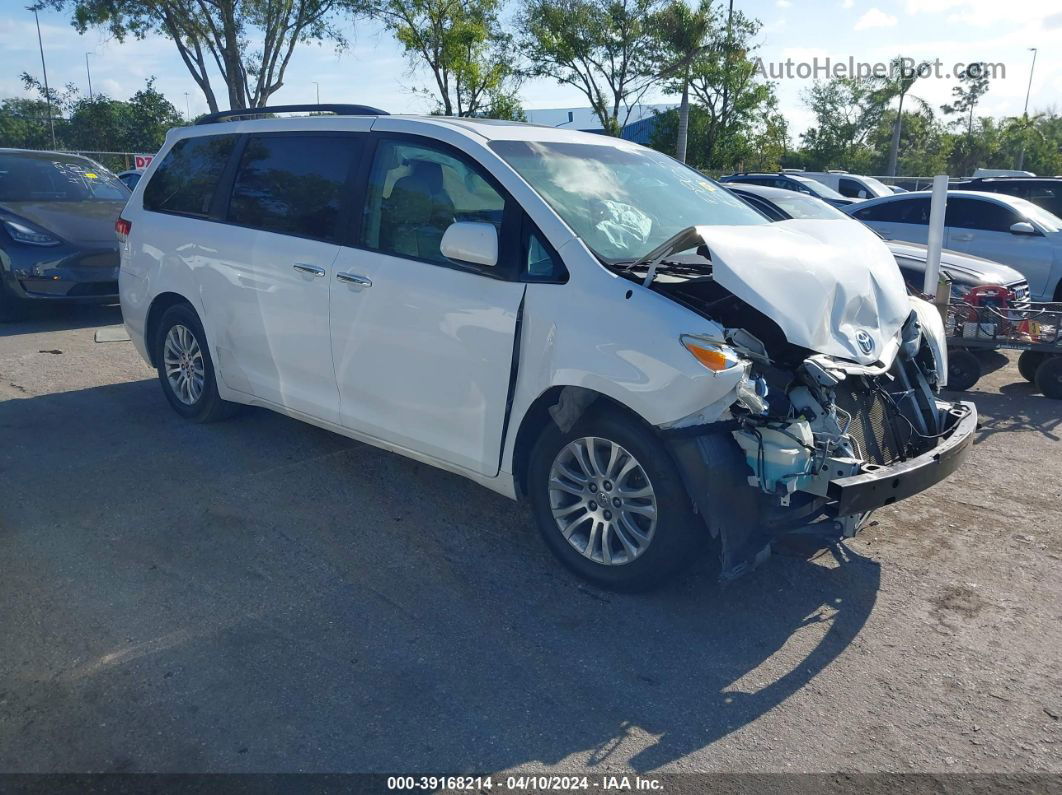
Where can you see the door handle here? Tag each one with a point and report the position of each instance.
(964, 236)
(353, 278)
(313, 270)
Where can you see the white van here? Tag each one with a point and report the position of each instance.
(853, 186)
(562, 317)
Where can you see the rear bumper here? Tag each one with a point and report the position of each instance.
(885, 485)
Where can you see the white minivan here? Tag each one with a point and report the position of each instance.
(565, 318)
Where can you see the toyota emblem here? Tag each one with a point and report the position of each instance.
(865, 341)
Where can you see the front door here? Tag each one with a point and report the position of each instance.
(423, 346)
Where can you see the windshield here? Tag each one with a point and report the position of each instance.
(622, 202)
(879, 187)
(1034, 212)
(47, 176)
(797, 205)
(818, 188)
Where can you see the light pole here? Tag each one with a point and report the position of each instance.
(187, 107)
(1025, 113)
(44, 69)
(88, 73)
(318, 86)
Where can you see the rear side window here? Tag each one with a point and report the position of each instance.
(293, 184)
(903, 211)
(185, 180)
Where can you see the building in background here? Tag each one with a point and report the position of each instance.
(639, 126)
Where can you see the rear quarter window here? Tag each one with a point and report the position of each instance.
(185, 181)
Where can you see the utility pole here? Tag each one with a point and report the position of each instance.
(1025, 113)
(187, 107)
(728, 48)
(88, 73)
(318, 85)
(44, 69)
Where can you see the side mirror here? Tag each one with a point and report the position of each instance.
(473, 242)
(1023, 228)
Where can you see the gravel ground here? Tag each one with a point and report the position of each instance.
(261, 595)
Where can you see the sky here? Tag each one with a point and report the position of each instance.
(372, 69)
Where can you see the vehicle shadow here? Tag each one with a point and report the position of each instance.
(263, 595)
(1019, 406)
(59, 317)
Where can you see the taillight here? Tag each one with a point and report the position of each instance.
(123, 228)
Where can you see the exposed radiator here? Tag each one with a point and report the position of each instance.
(872, 422)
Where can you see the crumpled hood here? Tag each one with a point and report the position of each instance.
(826, 283)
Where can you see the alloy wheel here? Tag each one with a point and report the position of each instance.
(602, 501)
(185, 368)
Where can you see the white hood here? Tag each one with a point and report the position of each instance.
(822, 282)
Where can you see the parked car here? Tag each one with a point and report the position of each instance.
(853, 186)
(565, 318)
(1045, 192)
(131, 177)
(793, 182)
(965, 271)
(57, 214)
(995, 226)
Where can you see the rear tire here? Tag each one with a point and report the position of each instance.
(964, 369)
(185, 369)
(1049, 377)
(1028, 363)
(610, 503)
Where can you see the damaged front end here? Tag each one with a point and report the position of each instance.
(811, 441)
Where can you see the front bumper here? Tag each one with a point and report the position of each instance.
(880, 486)
(65, 274)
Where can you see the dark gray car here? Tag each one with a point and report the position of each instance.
(57, 239)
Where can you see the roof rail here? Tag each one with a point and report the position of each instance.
(338, 110)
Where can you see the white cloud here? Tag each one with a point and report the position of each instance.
(986, 13)
(784, 3)
(847, 3)
(875, 18)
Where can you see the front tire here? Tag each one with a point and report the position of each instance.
(610, 503)
(185, 369)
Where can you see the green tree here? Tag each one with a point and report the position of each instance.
(726, 83)
(973, 84)
(897, 83)
(24, 124)
(603, 48)
(1022, 131)
(925, 147)
(249, 42)
(683, 36)
(463, 45)
(846, 110)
